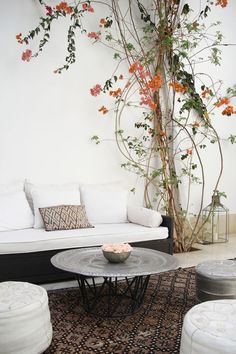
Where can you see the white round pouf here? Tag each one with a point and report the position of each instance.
(25, 325)
(210, 328)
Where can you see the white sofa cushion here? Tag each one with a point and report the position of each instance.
(144, 216)
(15, 212)
(12, 187)
(105, 203)
(47, 198)
(30, 187)
(34, 240)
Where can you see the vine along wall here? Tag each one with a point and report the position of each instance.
(47, 120)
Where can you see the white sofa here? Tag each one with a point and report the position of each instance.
(26, 248)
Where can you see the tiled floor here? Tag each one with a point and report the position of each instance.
(205, 252)
(208, 252)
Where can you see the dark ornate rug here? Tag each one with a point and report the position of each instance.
(155, 328)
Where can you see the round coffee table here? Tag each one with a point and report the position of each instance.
(123, 285)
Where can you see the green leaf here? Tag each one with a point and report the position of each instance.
(186, 9)
(222, 194)
(183, 157)
(129, 46)
(155, 173)
(117, 56)
(96, 139)
(108, 37)
(108, 23)
(120, 131)
(232, 139)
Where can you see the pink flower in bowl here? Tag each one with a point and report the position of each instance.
(116, 252)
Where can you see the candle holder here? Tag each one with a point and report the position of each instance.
(215, 217)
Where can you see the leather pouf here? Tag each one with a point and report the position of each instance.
(210, 328)
(216, 280)
(25, 326)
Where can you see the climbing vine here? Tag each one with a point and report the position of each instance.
(157, 47)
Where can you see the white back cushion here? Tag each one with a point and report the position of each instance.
(105, 203)
(15, 212)
(46, 198)
(12, 187)
(29, 187)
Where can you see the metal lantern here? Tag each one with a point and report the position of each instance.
(216, 221)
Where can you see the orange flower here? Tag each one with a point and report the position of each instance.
(87, 7)
(224, 100)
(196, 125)
(115, 93)
(135, 66)
(189, 151)
(103, 110)
(222, 3)
(178, 87)
(96, 90)
(163, 134)
(152, 105)
(63, 6)
(206, 93)
(19, 38)
(144, 91)
(26, 56)
(103, 22)
(148, 102)
(155, 83)
(228, 111)
(94, 35)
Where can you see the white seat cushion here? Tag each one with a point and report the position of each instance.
(33, 240)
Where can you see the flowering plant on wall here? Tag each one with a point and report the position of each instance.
(162, 46)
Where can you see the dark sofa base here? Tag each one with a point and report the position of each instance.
(35, 267)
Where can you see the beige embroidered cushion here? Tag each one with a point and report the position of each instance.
(64, 217)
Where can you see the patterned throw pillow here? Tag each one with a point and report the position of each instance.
(64, 217)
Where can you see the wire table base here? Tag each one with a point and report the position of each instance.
(114, 297)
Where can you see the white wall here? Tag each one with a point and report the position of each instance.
(224, 125)
(47, 120)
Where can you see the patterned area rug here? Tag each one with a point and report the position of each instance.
(155, 328)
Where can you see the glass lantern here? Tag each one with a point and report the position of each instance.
(216, 221)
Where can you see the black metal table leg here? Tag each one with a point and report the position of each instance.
(112, 298)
